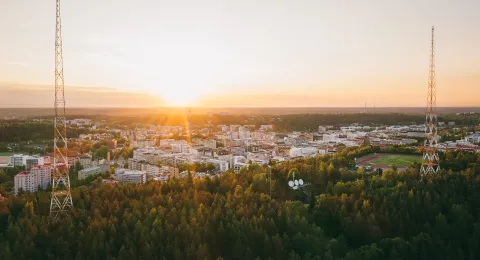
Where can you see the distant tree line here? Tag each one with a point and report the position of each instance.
(22, 131)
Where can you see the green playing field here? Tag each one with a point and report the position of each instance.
(397, 159)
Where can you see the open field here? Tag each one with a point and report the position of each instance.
(4, 159)
(5, 153)
(385, 161)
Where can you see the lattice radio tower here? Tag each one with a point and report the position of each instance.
(61, 202)
(430, 160)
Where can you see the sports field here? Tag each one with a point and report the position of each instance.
(387, 160)
(5, 154)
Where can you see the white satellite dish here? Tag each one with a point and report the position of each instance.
(296, 182)
(300, 181)
(290, 183)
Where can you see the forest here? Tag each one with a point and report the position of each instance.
(343, 213)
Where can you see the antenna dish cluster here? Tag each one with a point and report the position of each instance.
(295, 184)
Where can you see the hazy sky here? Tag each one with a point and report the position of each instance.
(241, 52)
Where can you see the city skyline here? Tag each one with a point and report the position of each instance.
(221, 55)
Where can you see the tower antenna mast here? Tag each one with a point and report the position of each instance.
(430, 159)
(61, 202)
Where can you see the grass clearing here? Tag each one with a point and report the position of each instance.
(397, 159)
(385, 160)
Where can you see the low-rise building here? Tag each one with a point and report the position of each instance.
(238, 166)
(266, 127)
(85, 160)
(138, 177)
(210, 143)
(152, 170)
(90, 171)
(220, 165)
(180, 147)
(130, 176)
(31, 161)
(474, 138)
(16, 160)
(161, 178)
(303, 151)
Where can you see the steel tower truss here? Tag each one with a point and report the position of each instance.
(61, 202)
(430, 160)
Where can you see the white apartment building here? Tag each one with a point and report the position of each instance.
(26, 182)
(266, 127)
(180, 148)
(30, 161)
(222, 166)
(153, 170)
(234, 128)
(119, 174)
(166, 142)
(130, 176)
(90, 171)
(239, 159)
(26, 160)
(239, 162)
(16, 160)
(237, 166)
(329, 137)
(148, 154)
(85, 161)
(322, 129)
(237, 150)
(303, 151)
(161, 178)
(397, 128)
(474, 138)
(464, 142)
(224, 128)
(243, 133)
(353, 135)
(258, 135)
(144, 143)
(138, 177)
(210, 143)
(43, 175)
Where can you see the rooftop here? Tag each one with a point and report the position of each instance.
(132, 172)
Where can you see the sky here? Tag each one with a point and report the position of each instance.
(221, 53)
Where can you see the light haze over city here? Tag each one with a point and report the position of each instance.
(240, 53)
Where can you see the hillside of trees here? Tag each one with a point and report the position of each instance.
(344, 213)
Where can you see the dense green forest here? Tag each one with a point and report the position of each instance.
(344, 213)
(22, 133)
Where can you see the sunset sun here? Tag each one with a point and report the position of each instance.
(178, 96)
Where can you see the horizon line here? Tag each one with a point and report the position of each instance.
(262, 107)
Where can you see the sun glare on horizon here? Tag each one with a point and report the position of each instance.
(179, 96)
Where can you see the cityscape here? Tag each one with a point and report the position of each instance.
(228, 150)
(155, 152)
